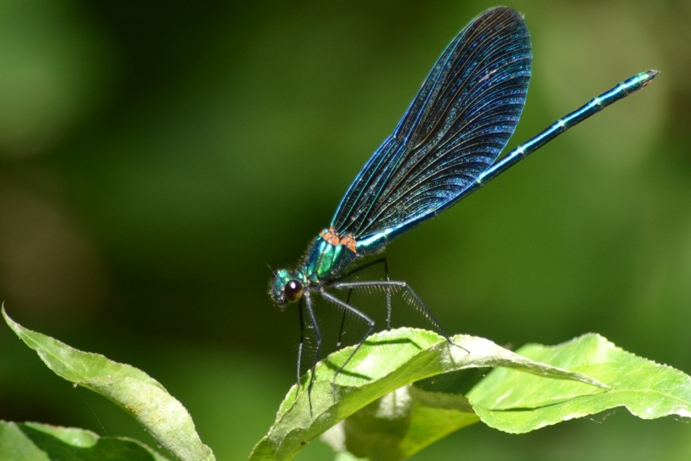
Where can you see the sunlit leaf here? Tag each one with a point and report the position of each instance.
(130, 388)
(399, 424)
(517, 402)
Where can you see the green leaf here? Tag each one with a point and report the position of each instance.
(42, 442)
(400, 423)
(517, 403)
(130, 388)
(406, 420)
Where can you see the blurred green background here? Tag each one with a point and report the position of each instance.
(156, 156)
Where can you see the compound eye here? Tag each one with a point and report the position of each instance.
(292, 291)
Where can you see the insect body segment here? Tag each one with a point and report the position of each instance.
(328, 256)
(331, 237)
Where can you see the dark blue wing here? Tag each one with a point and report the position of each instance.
(456, 127)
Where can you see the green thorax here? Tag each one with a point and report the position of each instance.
(327, 258)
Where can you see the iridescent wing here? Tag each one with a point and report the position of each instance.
(455, 128)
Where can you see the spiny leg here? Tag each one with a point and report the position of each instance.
(387, 290)
(393, 283)
(302, 341)
(349, 308)
(388, 296)
(340, 332)
(318, 339)
(403, 285)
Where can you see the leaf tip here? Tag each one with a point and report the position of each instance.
(17, 328)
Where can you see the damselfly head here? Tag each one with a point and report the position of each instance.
(285, 287)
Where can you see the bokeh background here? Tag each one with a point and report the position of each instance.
(156, 156)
